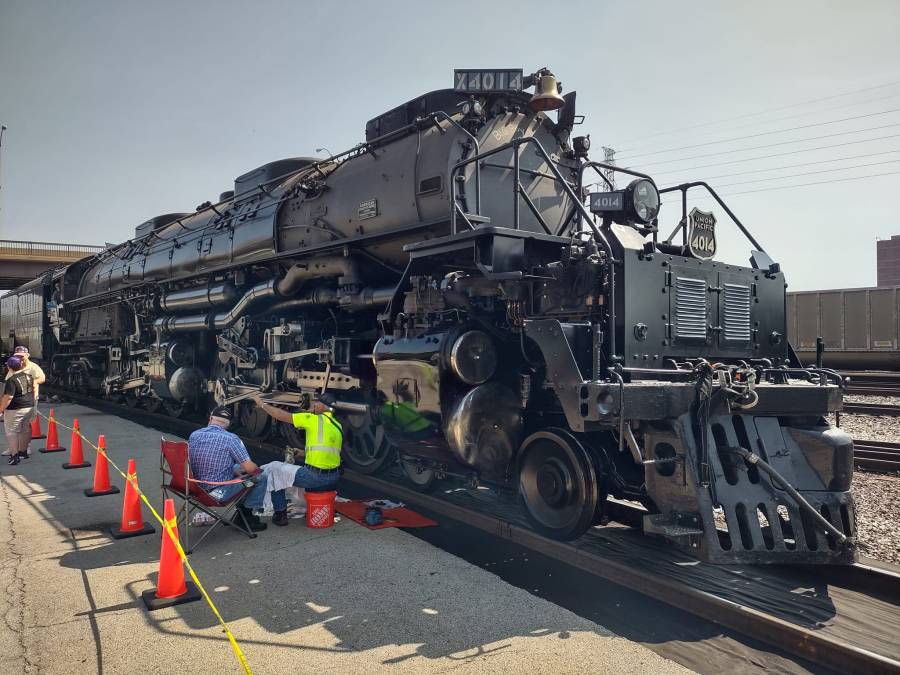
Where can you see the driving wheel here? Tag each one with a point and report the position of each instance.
(366, 447)
(254, 421)
(422, 477)
(557, 484)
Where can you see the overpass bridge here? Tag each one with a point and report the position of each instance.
(22, 261)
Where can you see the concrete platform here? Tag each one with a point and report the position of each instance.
(345, 600)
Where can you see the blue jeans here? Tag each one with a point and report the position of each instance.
(253, 500)
(306, 478)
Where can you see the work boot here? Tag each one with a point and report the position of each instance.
(255, 524)
(280, 518)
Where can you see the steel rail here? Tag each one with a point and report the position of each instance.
(804, 642)
(872, 409)
(878, 456)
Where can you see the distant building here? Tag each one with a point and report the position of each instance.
(888, 255)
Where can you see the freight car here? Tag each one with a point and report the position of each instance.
(859, 327)
(480, 316)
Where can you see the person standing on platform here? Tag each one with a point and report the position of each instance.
(322, 452)
(33, 369)
(17, 406)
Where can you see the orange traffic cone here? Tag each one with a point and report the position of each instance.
(52, 437)
(171, 588)
(76, 455)
(36, 432)
(101, 473)
(132, 524)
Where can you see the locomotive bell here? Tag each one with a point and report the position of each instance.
(546, 94)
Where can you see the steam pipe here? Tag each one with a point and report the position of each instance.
(317, 297)
(317, 268)
(192, 299)
(262, 291)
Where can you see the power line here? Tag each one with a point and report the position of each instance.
(787, 187)
(779, 119)
(768, 133)
(773, 145)
(762, 112)
(786, 166)
(809, 173)
(780, 154)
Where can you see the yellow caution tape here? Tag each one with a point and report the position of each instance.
(170, 527)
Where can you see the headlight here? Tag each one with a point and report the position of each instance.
(641, 201)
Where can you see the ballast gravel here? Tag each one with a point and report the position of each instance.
(877, 495)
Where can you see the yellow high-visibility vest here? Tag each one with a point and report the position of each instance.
(324, 439)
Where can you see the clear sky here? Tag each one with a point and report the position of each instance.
(122, 110)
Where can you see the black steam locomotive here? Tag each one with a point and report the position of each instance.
(478, 315)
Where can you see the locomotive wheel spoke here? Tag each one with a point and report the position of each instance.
(152, 404)
(557, 484)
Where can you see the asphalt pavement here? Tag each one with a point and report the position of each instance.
(343, 600)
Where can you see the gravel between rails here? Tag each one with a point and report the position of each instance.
(872, 400)
(877, 514)
(877, 495)
(871, 427)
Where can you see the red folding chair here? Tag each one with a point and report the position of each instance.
(178, 482)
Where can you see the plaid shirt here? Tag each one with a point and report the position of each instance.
(213, 453)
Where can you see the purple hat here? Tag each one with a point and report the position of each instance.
(21, 349)
(14, 363)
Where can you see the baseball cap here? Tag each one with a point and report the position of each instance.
(222, 413)
(14, 362)
(21, 349)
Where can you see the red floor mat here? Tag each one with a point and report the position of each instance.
(399, 517)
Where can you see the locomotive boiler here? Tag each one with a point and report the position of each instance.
(479, 315)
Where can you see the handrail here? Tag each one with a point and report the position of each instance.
(515, 143)
(684, 187)
(518, 191)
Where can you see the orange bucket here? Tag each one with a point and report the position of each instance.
(320, 508)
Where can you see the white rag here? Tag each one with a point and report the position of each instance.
(280, 476)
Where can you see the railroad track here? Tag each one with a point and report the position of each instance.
(733, 610)
(873, 383)
(872, 409)
(876, 456)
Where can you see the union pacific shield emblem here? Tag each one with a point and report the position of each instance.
(702, 234)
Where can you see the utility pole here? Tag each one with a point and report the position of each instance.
(609, 157)
(2, 129)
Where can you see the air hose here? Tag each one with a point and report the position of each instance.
(753, 458)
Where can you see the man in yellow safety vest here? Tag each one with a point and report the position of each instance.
(322, 453)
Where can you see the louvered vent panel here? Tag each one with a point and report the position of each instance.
(690, 308)
(736, 311)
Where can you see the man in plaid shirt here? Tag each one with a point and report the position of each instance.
(216, 457)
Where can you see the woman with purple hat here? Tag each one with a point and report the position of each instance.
(17, 405)
(33, 369)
